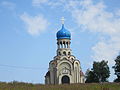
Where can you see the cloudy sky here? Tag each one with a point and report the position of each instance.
(28, 35)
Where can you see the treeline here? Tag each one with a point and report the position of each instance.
(100, 71)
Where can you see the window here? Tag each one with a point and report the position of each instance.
(68, 53)
(59, 53)
(64, 53)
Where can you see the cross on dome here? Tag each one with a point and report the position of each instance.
(63, 33)
(62, 20)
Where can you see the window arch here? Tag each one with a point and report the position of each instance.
(64, 53)
(59, 53)
(69, 53)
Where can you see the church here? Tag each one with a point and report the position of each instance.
(64, 68)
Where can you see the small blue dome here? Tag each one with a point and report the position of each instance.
(63, 33)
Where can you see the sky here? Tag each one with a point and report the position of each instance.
(28, 35)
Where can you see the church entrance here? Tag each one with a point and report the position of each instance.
(65, 80)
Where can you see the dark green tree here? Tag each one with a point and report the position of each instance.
(91, 77)
(99, 73)
(117, 68)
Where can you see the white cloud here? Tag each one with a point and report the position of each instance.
(34, 24)
(106, 50)
(51, 3)
(38, 2)
(95, 18)
(117, 12)
(9, 5)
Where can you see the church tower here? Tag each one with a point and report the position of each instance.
(65, 68)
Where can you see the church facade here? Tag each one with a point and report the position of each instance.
(64, 68)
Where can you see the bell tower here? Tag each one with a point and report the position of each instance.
(64, 68)
(63, 41)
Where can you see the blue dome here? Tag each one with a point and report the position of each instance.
(63, 33)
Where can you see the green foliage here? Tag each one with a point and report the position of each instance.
(91, 78)
(117, 69)
(29, 86)
(99, 73)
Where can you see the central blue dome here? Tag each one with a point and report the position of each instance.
(63, 33)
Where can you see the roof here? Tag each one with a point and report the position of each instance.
(63, 33)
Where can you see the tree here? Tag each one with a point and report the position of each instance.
(99, 73)
(90, 77)
(117, 68)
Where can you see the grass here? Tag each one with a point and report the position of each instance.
(29, 86)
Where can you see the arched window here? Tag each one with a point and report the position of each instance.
(61, 46)
(67, 44)
(64, 53)
(68, 53)
(64, 44)
(76, 63)
(59, 53)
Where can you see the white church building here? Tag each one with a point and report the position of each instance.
(64, 68)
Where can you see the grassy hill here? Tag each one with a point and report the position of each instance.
(30, 86)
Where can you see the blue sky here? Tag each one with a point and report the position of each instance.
(28, 35)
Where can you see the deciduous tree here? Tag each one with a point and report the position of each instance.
(99, 73)
(117, 69)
